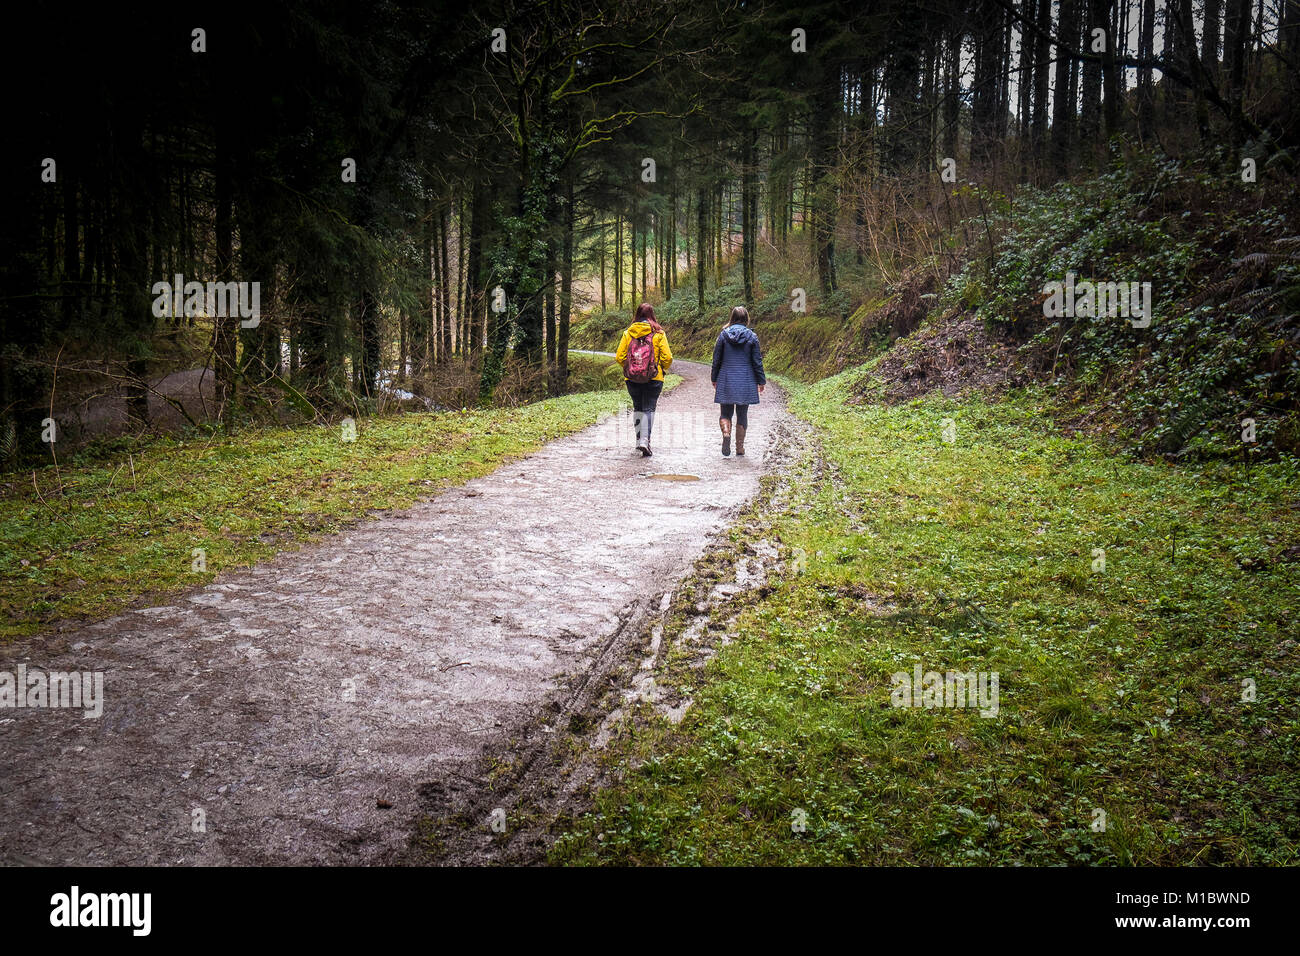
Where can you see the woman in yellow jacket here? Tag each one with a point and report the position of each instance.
(644, 355)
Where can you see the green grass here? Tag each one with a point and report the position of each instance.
(592, 373)
(1120, 690)
(125, 527)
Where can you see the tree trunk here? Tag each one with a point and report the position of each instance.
(1024, 86)
(224, 341)
(1042, 66)
(1146, 91)
(448, 318)
(422, 319)
(1192, 61)
(463, 320)
(824, 199)
(1112, 77)
(1090, 112)
(951, 95)
(1063, 101)
(549, 306)
(701, 238)
(984, 101)
(748, 223)
(566, 290)
(435, 288)
(717, 254)
(476, 293)
(671, 243)
(71, 251)
(1210, 37)
(403, 330)
(1236, 41)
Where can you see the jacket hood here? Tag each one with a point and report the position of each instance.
(638, 329)
(739, 334)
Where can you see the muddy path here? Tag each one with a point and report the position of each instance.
(314, 709)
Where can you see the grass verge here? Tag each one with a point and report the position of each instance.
(1148, 708)
(105, 532)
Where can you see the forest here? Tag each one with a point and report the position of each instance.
(381, 170)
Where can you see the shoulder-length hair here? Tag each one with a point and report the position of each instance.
(645, 312)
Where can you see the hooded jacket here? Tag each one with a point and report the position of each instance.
(663, 355)
(737, 366)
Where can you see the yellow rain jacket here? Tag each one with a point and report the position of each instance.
(663, 355)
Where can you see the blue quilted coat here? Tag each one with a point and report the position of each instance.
(737, 366)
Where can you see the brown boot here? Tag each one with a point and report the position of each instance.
(740, 440)
(725, 425)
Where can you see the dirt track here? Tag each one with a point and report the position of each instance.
(310, 705)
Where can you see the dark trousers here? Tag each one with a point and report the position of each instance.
(645, 395)
(740, 411)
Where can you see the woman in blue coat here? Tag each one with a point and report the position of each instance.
(738, 377)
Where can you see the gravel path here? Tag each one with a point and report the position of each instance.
(293, 712)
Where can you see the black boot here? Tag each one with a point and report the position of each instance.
(642, 432)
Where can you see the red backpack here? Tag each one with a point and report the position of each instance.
(641, 365)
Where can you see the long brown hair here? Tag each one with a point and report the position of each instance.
(645, 312)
